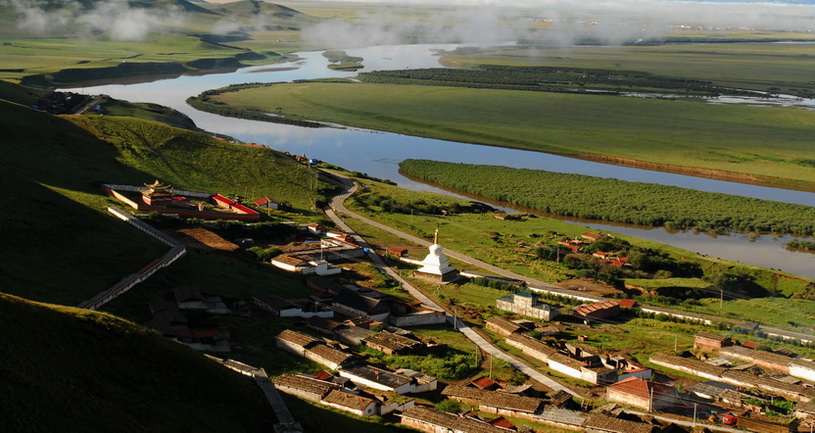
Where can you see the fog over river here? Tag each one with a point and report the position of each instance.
(379, 154)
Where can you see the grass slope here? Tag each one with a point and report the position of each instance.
(65, 369)
(58, 245)
(748, 144)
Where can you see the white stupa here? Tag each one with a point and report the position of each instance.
(436, 265)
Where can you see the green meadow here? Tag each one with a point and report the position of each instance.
(510, 245)
(749, 64)
(751, 144)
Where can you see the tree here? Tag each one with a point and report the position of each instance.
(448, 405)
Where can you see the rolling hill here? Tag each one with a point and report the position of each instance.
(58, 244)
(66, 369)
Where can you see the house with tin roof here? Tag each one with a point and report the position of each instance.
(527, 304)
(600, 423)
(502, 326)
(303, 386)
(391, 343)
(384, 380)
(356, 404)
(643, 394)
(435, 421)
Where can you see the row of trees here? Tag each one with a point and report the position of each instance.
(602, 199)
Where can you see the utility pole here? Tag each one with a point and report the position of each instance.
(721, 298)
(676, 341)
(694, 414)
(491, 366)
(651, 401)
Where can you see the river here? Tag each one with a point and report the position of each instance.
(379, 153)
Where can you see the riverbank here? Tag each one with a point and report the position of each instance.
(684, 137)
(616, 201)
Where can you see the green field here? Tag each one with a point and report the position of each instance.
(750, 64)
(65, 369)
(749, 144)
(511, 244)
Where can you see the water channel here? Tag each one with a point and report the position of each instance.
(379, 154)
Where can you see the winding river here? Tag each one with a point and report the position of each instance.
(379, 154)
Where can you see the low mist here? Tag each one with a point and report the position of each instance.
(115, 19)
(556, 22)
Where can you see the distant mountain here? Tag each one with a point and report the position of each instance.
(72, 370)
(248, 8)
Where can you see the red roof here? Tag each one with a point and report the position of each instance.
(484, 383)
(262, 201)
(322, 375)
(751, 345)
(502, 423)
(637, 387)
(628, 303)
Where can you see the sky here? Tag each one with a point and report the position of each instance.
(485, 21)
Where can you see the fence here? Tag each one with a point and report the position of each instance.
(144, 273)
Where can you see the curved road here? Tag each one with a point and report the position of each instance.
(337, 205)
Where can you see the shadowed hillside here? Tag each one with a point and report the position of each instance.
(66, 369)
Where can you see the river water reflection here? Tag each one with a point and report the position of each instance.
(379, 154)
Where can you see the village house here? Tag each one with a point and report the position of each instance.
(464, 394)
(591, 237)
(303, 386)
(314, 349)
(267, 203)
(283, 308)
(386, 309)
(511, 405)
(790, 391)
(305, 265)
(358, 405)
(599, 423)
(531, 346)
(598, 310)
(526, 303)
(573, 245)
(434, 421)
(562, 417)
(502, 326)
(390, 343)
(384, 380)
(486, 384)
(805, 410)
(189, 298)
(709, 342)
(642, 394)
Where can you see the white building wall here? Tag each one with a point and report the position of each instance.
(802, 372)
(565, 369)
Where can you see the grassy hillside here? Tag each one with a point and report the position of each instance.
(58, 244)
(142, 39)
(91, 372)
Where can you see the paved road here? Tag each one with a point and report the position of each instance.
(481, 342)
